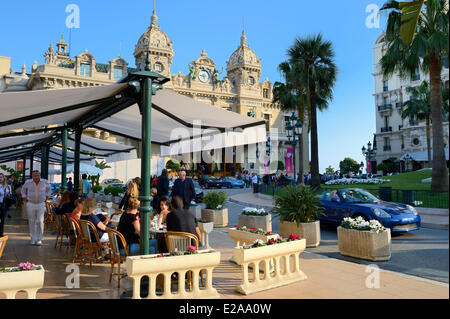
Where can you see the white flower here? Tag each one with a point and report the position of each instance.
(219, 207)
(258, 242)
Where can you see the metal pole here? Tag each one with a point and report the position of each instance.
(64, 161)
(31, 166)
(76, 164)
(44, 162)
(294, 143)
(24, 168)
(145, 167)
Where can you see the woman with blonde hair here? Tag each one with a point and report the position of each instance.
(87, 213)
(5, 193)
(132, 192)
(130, 227)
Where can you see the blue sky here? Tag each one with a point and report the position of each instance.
(108, 28)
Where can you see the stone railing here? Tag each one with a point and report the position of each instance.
(205, 230)
(29, 281)
(285, 272)
(151, 266)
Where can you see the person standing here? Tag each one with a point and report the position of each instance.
(35, 192)
(162, 187)
(255, 183)
(86, 186)
(5, 193)
(70, 185)
(184, 187)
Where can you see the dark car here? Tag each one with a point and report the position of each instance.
(343, 203)
(213, 182)
(231, 182)
(202, 180)
(198, 193)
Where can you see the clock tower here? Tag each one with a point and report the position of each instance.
(158, 45)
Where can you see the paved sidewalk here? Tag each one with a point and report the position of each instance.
(432, 218)
(327, 277)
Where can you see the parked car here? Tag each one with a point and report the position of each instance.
(55, 187)
(198, 193)
(213, 182)
(202, 180)
(231, 182)
(114, 182)
(356, 202)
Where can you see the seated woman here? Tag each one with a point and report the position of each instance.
(181, 220)
(87, 213)
(130, 227)
(164, 207)
(69, 205)
(78, 208)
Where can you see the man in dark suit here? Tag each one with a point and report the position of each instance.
(184, 187)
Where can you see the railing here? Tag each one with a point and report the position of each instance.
(386, 107)
(400, 127)
(386, 129)
(194, 266)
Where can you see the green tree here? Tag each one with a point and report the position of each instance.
(280, 166)
(349, 165)
(314, 57)
(411, 45)
(173, 165)
(12, 171)
(329, 170)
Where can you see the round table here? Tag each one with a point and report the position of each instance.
(159, 235)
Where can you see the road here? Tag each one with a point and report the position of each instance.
(423, 253)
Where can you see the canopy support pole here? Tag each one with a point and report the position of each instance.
(76, 164)
(44, 162)
(24, 168)
(31, 165)
(64, 161)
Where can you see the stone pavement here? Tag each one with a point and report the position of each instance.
(433, 218)
(327, 277)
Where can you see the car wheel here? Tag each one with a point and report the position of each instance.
(360, 215)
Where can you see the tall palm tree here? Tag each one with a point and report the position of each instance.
(291, 97)
(418, 108)
(426, 49)
(315, 57)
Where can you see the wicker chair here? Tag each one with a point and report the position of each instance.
(95, 248)
(181, 241)
(75, 227)
(114, 237)
(62, 229)
(3, 241)
(49, 217)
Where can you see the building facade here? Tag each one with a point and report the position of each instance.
(396, 136)
(241, 90)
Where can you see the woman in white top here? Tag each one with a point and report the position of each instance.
(5, 191)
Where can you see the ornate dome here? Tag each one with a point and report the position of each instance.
(243, 56)
(154, 38)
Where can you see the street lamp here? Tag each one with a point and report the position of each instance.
(407, 159)
(361, 166)
(294, 131)
(369, 153)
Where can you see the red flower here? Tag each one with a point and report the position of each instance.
(294, 237)
(269, 233)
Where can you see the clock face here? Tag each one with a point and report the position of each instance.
(203, 76)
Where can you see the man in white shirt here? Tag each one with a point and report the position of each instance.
(35, 192)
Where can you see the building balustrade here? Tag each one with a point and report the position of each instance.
(386, 129)
(386, 107)
(387, 148)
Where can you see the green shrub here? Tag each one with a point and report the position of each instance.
(114, 191)
(173, 165)
(96, 189)
(215, 200)
(297, 205)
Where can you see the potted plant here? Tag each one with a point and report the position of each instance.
(299, 211)
(215, 210)
(363, 239)
(25, 276)
(205, 229)
(255, 218)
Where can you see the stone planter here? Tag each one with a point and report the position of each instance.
(30, 281)
(108, 198)
(206, 260)
(196, 211)
(218, 217)
(365, 244)
(205, 230)
(117, 199)
(244, 237)
(309, 231)
(263, 222)
(286, 270)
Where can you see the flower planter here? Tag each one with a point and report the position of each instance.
(196, 211)
(309, 231)
(205, 230)
(108, 198)
(244, 237)
(263, 222)
(29, 280)
(365, 244)
(140, 266)
(117, 199)
(218, 217)
(283, 273)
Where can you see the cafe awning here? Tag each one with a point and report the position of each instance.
(421, 156)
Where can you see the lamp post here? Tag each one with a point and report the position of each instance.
(407, 159)
(361, 166)
(294, 132)
(369, 153)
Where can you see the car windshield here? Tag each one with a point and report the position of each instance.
(231, 178)
(357, 196)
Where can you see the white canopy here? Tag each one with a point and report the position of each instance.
(85, 169)
(22, 141)
(422, 156)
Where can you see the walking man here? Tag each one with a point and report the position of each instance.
(184, 187)
(70, 185)
(35, 192)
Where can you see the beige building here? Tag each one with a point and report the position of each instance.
(241, 90)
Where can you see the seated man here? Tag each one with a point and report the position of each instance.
(181, 220)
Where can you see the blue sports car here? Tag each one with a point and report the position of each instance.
(231, 182)
(357, 202)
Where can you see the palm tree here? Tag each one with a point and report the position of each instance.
(425, 49)
(291, 97)
(315, 58)
(418, 108)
